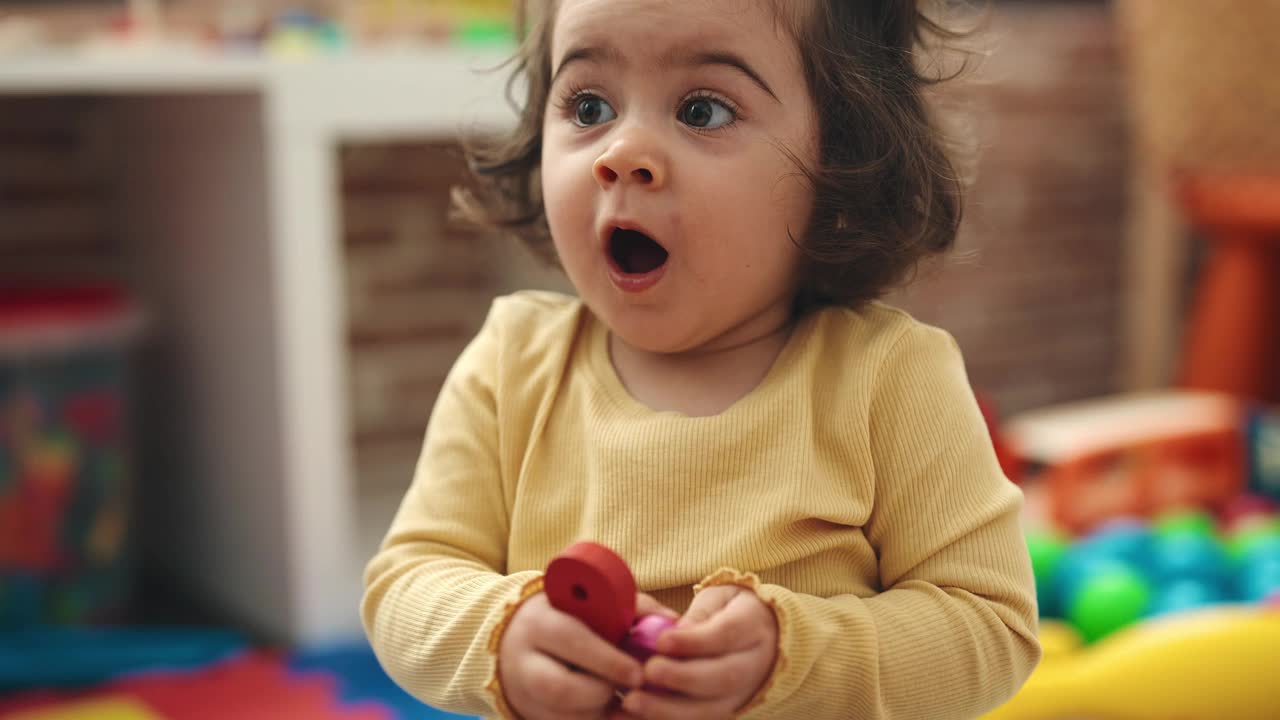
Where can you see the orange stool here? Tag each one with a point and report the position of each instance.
(1233, 340)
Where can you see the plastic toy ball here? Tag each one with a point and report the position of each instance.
(1259, 575)
(1078, 566)
(1181, 521)
(1264, 549)
(1114, 597)
(1183, 595)
(1125, 539)
(1047, 550)
(1188, 555)
(1243, 538)
(1073, 569)
(1260, 583)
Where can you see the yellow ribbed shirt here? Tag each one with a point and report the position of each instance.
(855, 489)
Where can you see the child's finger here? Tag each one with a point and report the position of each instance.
(647, 605)
(562, 693)
(699, 678)
(732, 629)
(707, 603)
(657, 707)
(568, 640)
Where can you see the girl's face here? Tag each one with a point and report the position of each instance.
(670, 200)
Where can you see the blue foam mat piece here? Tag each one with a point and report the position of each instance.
(48, 656)
(362, 679)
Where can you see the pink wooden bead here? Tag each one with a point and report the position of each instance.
(642, 642)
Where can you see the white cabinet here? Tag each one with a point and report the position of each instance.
(227, 191)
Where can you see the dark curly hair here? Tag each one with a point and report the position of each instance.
(886, 192)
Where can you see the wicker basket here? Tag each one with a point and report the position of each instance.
(1205, 83)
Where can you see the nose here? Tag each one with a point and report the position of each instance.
(632, 158)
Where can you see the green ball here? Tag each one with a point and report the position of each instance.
(1240, 541)
(1047, 549)
(1114, 597)
(1180, 521)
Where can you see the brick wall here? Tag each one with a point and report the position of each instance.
(418, 288)
(55, 202)
(1034, 297)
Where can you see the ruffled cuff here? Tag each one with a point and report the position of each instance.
(494, 686)
(749, 581)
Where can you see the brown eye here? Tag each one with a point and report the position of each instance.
(592, 110)
(706, 113)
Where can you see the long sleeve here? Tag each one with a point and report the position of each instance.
(952, 634)
(893, 556)
(436, 590)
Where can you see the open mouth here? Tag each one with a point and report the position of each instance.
(636, 253)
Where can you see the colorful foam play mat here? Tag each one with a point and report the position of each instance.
(190, 674)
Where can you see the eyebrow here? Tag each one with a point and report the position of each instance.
(591, 54)
(677, 58)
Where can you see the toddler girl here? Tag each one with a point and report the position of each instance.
(799, 471)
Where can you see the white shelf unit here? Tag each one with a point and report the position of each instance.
(227, 189)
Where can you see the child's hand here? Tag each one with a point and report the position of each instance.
(716, 659)
(553, 666)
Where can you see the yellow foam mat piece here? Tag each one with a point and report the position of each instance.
(97, 709)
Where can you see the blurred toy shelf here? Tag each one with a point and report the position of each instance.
(225, 172)
(362, 93)
(57, 72)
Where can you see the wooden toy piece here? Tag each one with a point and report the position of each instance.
(642, 642)
(1200, 665)
(590, 582)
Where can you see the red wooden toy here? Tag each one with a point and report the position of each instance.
(590, 582)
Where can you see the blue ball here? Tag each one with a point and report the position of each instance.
(1261, 550)
(1259, 575)
(1127, 540)
(1188, 556)
(1072, 569)
(1079, 566)
(1185, 594)
(1259, 582)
